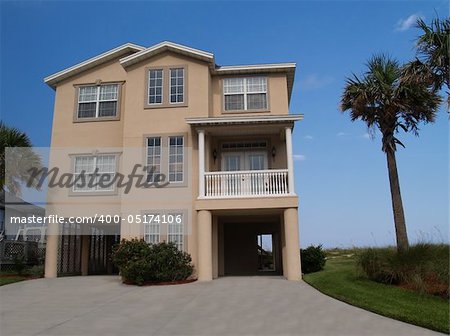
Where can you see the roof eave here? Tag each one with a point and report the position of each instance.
(55, 78)
(167, 46)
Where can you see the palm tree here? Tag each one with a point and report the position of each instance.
(17, 161)
(433, 55)
(384, 99)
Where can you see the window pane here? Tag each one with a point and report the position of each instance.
(176, 158)
(151, 231)
(155, 86)
(256, 101)
(175, 231)
(87, 94)
(107, 109)
(233, 85)
(234, 102)
(86, 110)
(256, 85)
(108, 92)
(106, 163)
(153, 158)
(176, 85)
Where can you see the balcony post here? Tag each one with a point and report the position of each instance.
(201, 163)
(290, 162)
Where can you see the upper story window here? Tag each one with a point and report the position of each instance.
(98, 101)
(94, 173)
(245, 93)
(166, 87)
(176, 85)
(155, 86)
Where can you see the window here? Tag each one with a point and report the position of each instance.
(176, 85)
(245, 93)
(165, 226)
(152, 232)
(90, 170)
(176, 158)
(153, 158)
(175, 230)
(155, 86)
(98, 101)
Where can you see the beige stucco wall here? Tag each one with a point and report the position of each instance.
(277, 96)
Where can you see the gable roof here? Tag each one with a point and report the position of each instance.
(54, 79)
(167, 46)
(141, 53)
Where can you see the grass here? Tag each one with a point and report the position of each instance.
(341, 280)
(6, 279)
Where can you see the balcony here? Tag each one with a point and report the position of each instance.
(250, 183)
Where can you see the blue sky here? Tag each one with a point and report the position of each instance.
(341, 174)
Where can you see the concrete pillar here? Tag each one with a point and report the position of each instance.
(215, 247)
(51, 251)
(85, 239)
(290, 161)
(204, 220)
(292, 271)
(201, 163)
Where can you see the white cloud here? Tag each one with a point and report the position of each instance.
(366, 136)
(308, 137)
(299, 157)
(340, 134)
(410, 21)
(314, 82)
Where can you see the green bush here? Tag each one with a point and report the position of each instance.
(36, 271)
(312, 259)
(423, 267)
(139, 262)
(19, 264)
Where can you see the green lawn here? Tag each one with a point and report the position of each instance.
(341, 280)
(5, 280)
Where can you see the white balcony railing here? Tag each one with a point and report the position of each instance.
(249, 183)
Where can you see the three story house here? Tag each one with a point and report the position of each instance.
(218, 138)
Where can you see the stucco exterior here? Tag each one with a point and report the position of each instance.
(207, 130)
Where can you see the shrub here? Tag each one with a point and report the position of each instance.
(139, 262)
(19, 264)
(423, 267)
(36, 271)
(313, 259)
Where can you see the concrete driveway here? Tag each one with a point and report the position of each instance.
(101, 305)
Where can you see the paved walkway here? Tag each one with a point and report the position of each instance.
(101, 305)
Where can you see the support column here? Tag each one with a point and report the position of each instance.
(201, 163)
(290, 161)
(51, 251)
(85, 238)
(292, 271)
(204, 220)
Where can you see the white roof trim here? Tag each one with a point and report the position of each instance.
(252, 67)
(53, 79)
(244, 120)
(129, 60)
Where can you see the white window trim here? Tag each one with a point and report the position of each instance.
(147, 234)
(168, 158)
(182, 224)
(97, 101)
(160, 153)
(162, 87)
(245, 93)
(96, 190)
(170, 86)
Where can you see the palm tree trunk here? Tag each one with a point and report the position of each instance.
(397, 204)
